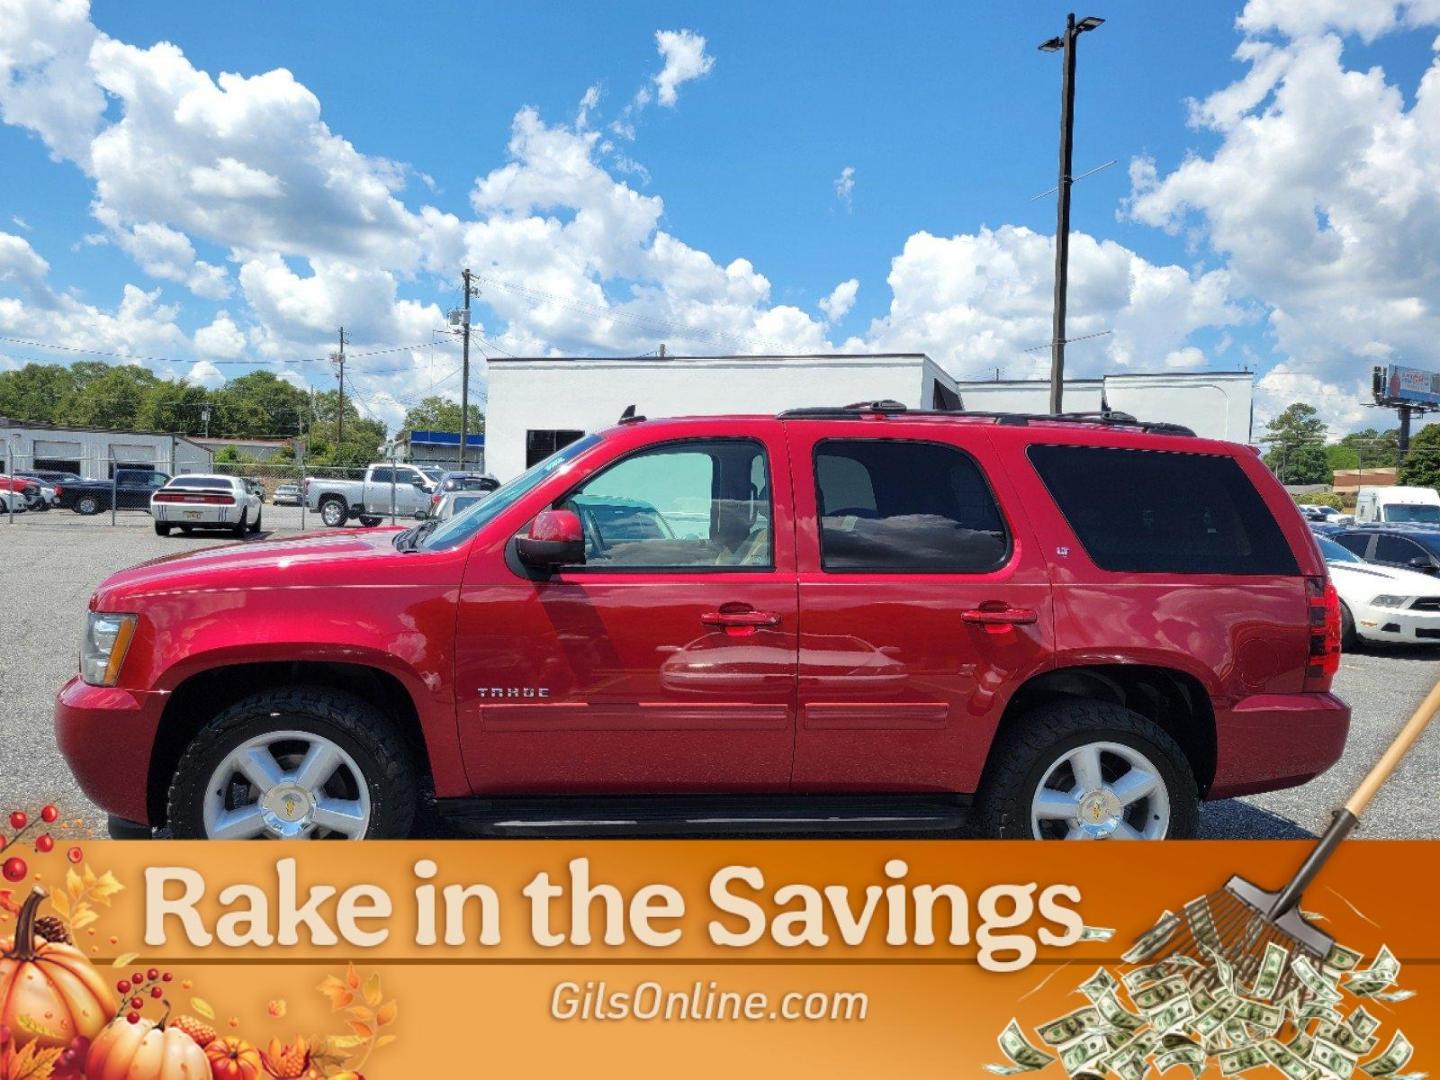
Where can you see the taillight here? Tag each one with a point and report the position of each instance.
(59, 491)
(435, 499)
(1323, 606)
(208, 500)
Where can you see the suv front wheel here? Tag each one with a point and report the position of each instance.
(1088, 770)
(295, 763)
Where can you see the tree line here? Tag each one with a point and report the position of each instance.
(259, 405)
(1299, 451)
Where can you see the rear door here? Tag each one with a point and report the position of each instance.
(923, 602)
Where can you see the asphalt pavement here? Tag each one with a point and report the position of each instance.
(51, 562)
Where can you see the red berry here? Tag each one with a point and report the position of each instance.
(75, 854)
(137, 1002)
(156, 992)
(152, 974)
(138, 978)
(15, 869)
(133, 1017)
(123, 986)
(49, 814)
(18, 820)
(44, 843)
(166, 977)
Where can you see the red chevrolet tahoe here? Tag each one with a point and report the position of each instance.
(853, 619)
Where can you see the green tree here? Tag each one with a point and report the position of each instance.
(441, 414)
(1422, 460)
(1296, 441)
(35, 391)
(174, 406)
(109, 398)
(259, 405)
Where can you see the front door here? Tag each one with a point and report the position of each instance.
(922, 605)
(664, 664)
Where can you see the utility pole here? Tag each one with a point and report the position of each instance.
(465, 371)
(338, 359)
(205, 417)
(1065, 44)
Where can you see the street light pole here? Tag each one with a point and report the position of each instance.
(1066, 45)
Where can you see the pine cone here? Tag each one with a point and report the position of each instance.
(52, 929)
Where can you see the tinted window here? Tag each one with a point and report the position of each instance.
(1149, 511)
(911, 506)
(1333, 552)
(682, 505)
(200, 482)
(1396, 549)
(383, 475)
(1356, 542)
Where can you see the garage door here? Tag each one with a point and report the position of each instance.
(134, 456)
(52, 448)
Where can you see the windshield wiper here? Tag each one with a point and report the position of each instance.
(409, 540)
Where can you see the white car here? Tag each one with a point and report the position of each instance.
(1382, 603)
(205, 501)
(1328, 514)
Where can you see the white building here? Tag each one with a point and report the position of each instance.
(536, 405)
(92, 452)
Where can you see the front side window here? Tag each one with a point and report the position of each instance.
(690, 505)
(1356, 542)
(891, 505)
(382, 475)
(1153, 511)
(1397, 550)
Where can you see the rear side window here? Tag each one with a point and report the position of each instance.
(1356, 542)
(1150, 511)
(896, 506)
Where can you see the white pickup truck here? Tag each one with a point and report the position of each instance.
(398, 488)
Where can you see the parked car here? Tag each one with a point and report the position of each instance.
(1411, 547)
(205, 501)
(12, 502)
(287, 495)
(1325, 528)
(842, 615)
(130, 490)
(26, 487)
(1316, 512)
(402, 486)
(461, 481)
(1397, 504)
(1382, 603)
(446, 506)
(255, 486)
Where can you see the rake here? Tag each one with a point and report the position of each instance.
(1240, 920)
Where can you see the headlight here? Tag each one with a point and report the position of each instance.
(1390, 601)
(107, 638)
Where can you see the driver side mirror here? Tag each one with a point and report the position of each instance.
(555, 539)
(1421, 563)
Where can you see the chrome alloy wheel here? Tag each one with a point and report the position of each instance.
(1101, 791)
(287, 785)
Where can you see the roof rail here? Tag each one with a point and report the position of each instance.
(1109, 418)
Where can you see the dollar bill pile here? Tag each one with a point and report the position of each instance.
(1196, 1012)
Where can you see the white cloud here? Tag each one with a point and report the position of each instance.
(841, 299)
(685, 59)
(231, 179)
(845, 187)
(163, 252)
(45, 83)
(22, 267)
(588, 102)
(19, 222)
(221, 339)
(206, 374)
(1306, 18)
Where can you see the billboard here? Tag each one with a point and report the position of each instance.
(1410, 386)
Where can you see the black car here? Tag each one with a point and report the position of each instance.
(130, 490)
(467, 481)
(1410, 547)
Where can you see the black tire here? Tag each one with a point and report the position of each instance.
(369, 520)
(1019, 760)
(362, 730)
(162, 528)
(241, 527)
(88, 505)
(258, 515)
(333, 512)
(1349, 638)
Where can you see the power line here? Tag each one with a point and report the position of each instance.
(173, 360)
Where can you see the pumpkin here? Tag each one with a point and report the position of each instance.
(49, 984)
(233, 1059)
(145, 1050)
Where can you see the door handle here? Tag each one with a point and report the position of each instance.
(996, 614)
(744, 621)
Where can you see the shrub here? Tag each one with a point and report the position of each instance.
(1321, 498)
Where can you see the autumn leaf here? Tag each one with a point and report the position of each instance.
(88, 876)
(203, 1007)
(124, 959)
(35, 1027)
(352, 977)
(344, 1042)
(59, 901)
(82, 917)
(105, 887)
(73, 885)
(372, 989)
(360, 1012)
(33, 1063)
(365, 1031)
(386, 1013)
(384, 1040)
(339, 994)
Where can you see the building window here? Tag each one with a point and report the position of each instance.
(540, 444)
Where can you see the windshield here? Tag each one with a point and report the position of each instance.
(1423, 512)
(465, 525)
(1333, 552)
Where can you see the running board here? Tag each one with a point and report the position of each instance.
(725, 815)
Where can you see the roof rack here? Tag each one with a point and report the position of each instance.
(887, 407)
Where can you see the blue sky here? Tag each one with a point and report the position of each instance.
(946, 114)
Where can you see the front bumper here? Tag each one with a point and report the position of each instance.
(1271, 741)
(107, 735)
(1402, 625)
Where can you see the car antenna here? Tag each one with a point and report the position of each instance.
(629, 417)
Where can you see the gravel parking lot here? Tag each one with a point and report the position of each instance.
(53, 561)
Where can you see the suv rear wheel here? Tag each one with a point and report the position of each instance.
(1088, 770)
(297, 763)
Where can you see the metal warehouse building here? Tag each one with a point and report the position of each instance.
(94, 452)
(536, 405)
